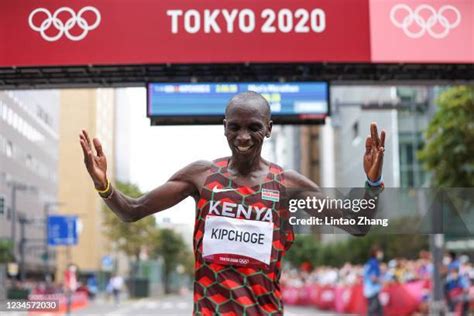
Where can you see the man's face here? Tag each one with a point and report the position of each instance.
(246, 126)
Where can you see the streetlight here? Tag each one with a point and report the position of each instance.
(23, 240)
(20, 187)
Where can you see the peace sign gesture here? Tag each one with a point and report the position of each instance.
(96, 164)
(374, 151)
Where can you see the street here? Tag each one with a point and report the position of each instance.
(167, 305)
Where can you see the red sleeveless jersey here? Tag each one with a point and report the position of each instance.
(240, 236)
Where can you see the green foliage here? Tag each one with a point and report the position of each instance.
(174, 251)
(449, 149)
(305, 249)
(354, 250)
(6, 250)
(130, 237)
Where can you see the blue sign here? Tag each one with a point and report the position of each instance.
(107, 263)
(299, 100)
(62, 230)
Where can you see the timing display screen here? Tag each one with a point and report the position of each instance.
(204, 103)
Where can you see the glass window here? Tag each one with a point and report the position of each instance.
(9, 116)
(29, 161)
(4, 112)
(9, 149)
(355, 130)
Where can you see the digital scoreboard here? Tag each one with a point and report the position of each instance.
(204, 103)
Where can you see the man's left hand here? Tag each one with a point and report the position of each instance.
(374, 151)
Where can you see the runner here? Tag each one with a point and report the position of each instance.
(240, 233)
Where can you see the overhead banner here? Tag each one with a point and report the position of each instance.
(107, 32)
(420, 31)
(82, 32)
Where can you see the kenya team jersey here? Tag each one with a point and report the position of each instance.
(240, 236)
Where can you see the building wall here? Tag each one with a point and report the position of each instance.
(282, 147)
(123, 134)
(92, 110)
(310, 163)
(350, 146)
(29, 156)
(347, 131)
(351, 126)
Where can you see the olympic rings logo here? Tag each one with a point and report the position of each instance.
(244, 261)
(425, 25)
(63, 28)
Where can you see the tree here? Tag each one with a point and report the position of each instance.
(174, 251)
(6, 251)
(130, 237)
(356, 249)
(304, 249)
(449, 149)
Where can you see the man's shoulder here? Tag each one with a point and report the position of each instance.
(291, 174)
(193, 171)
(200, 166)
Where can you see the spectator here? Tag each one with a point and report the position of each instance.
(92, 286)
(373, 282)
(115, 285)
(457, 289)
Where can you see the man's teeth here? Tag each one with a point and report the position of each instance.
(243, 148)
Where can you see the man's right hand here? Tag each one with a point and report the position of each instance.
(96, 164)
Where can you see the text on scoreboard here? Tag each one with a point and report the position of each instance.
(303, 100)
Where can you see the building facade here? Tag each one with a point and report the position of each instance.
(28, 175)
(92, 110)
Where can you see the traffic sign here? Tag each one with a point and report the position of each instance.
(62, 230)
(107, 263)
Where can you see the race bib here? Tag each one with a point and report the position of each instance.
(240, 242)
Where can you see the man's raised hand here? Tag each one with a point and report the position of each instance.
(96, 164)
(374, 151)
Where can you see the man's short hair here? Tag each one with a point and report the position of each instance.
(244, 97)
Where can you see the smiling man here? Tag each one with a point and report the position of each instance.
(241, 223)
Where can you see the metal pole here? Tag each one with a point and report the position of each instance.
(46, 208)
(69, 290)
(46, 254)
(13, 219)
(22, 249)
(15, 187)
(437, 245)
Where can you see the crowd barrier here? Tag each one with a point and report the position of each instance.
(78, 300)
(397, 299)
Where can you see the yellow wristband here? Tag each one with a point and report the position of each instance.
(107, 188)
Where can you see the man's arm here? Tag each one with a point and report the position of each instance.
(184, 183)
(299, 187)
(181, 185)
(303, 187)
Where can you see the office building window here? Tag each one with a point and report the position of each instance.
(9, 149)
(412, 173)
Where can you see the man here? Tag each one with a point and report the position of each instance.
(116, 284)
(457, 284)
(241, 232)
(373, 282)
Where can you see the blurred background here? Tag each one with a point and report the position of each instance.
(42, 176)
(155, 99)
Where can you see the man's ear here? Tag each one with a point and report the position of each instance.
(225, 125)
(269, 127)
